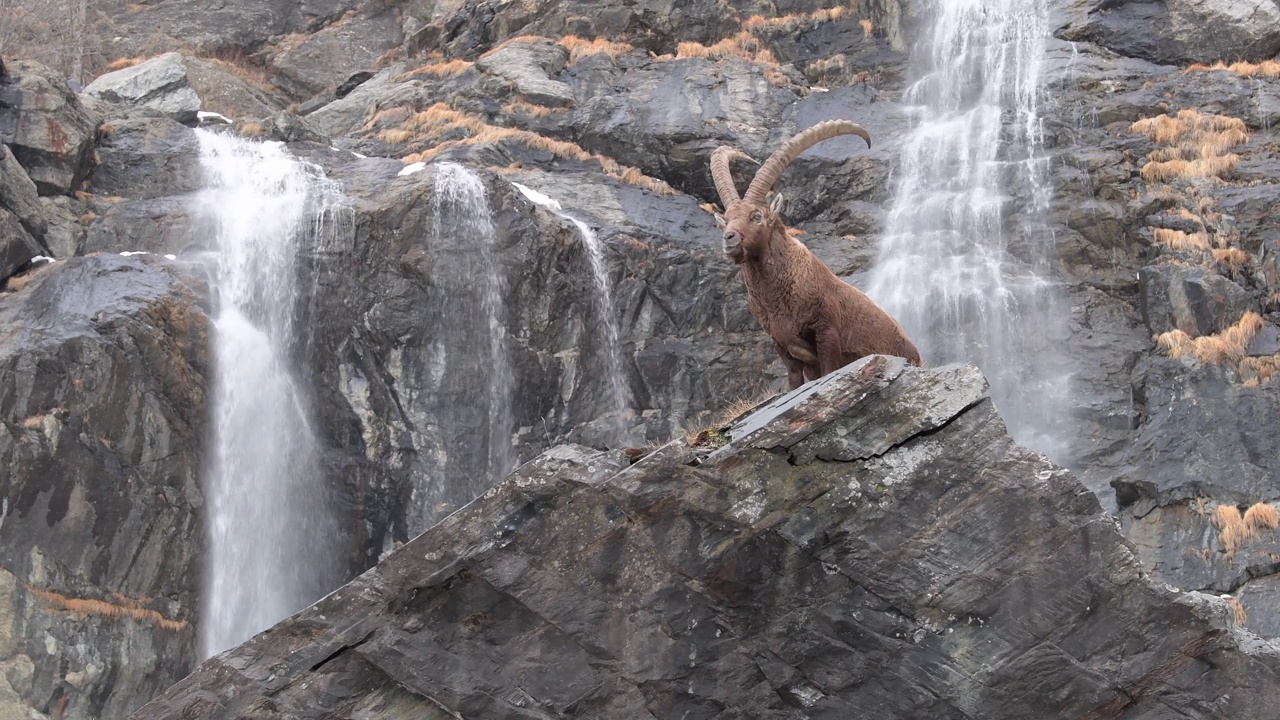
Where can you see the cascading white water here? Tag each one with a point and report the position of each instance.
(619, 389)
(947, 268)
(270, 530)
(471, 356)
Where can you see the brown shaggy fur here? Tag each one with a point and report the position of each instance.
(818, 322)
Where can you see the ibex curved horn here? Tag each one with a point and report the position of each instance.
(723, 175)
(773, 168)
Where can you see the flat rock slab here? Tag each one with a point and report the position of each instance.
(930, 568)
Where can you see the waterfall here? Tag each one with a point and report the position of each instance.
(964, 261)
(270, 531)
(619, 390)
(470, 356)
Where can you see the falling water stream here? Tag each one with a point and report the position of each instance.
(619, 391)
(964, 262)
(470, 359)
(270, 531)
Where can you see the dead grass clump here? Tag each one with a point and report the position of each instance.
(1238, 615)
(440, 119)
(122, 63)
(243, 67)
(252, 129)
(1262, 516)
(395, 136)
(1226, 346)
(1256, 371)
(523, 107)
(711, 432)
(790, 23)
(128, 608)
(1232, 259)
(1195, 145)
(1231, 528)
(1266, 68)
(867, 27)
(580, 47)
(1179, 240)
(744, 45)
(445, 69)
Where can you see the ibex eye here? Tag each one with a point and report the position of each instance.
(756, 217)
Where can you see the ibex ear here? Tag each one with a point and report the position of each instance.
(775, 205)
(720, 221)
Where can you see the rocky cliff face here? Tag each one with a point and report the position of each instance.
(871, 544)
(1163, 183)
(102, 423)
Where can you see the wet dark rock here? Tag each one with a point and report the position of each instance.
(1179, 31)
(18, 195)
(288, 127)
(22, 221)
(392, 421)
(164, 225)
(66, 231)
(46, 127)
(327, 57)
(1195, 300)
(142, 157)
(833, 560)
(102, 423)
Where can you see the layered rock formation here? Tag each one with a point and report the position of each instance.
(871, 544)
(102, 424)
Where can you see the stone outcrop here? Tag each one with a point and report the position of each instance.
(46, 127)
(1179, 31)
(871, 543)
(102, 423)
(22, 221)
(179, 87)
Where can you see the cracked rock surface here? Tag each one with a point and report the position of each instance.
(871, 545)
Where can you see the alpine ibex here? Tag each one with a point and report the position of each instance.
(818, 322)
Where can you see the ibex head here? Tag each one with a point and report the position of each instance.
(749, 223)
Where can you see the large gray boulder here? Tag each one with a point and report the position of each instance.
(102, 421)
(871, 544)
(1179, 31)
(22, 221)
(159, 83)
(49, 131)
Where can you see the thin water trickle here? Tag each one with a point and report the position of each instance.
(270, 531)
(471, 357)
(968, 210)
(619, 390)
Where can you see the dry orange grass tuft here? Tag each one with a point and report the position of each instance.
(1226, 346)
(444, 69)
(1231, 528)
(241, 66)
(1255, 371)
(1233, 259)
(522, 107)
(395, 136)
(122, 63)
(744, 45)
(867, 27)
(1195, 145)
(580, 47)
(727, 415)
(124, 608)
(252, 129)
(1262, 516)
(1238, 615)
(1179, 240)
(440, 118)
(1266, 68)
(789, 23)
